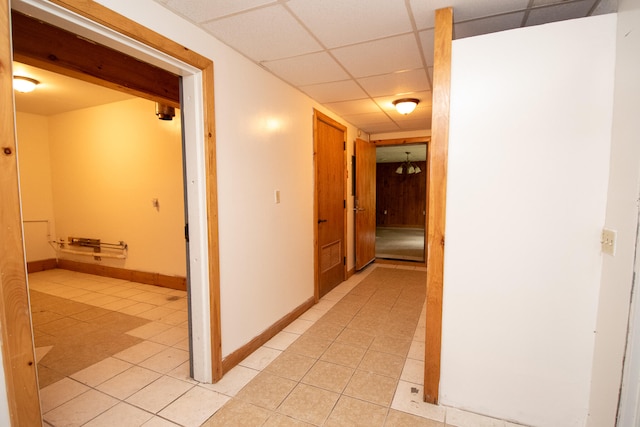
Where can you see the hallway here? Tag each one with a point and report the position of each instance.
(355, 358)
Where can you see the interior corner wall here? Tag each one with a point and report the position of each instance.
(622, 216)
(529, 147)
(108, 163)
(35, 185)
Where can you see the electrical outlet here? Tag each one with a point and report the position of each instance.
(608, 241)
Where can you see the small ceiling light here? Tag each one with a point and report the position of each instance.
(406, 105)
(24, 84)
(164, 111)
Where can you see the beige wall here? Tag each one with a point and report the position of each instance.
(107, 164)
(35, 185)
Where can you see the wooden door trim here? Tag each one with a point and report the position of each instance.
(321, 117)
(17, 349)
(403, 141)
(436, 200)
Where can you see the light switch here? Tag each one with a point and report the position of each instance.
(276, 196)
(608, 241)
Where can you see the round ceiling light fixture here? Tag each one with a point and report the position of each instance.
(406, 105)
(24, 84)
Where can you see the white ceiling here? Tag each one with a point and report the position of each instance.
(353, 56)
(357, 56)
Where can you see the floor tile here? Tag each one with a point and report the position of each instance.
(280, 420)
(328, 376)
(60, 392)
(310, 346)
(386, 364)
(139, 352)
(409, 398)
(80, 409)
(238, 413)
(416, 351)
(298, 326)
(343, 354)
(260, 358)
(171, 336)
(166, 360)
(121, 414)
(159, 394)
(233, 381)
(159, 422)
(290, 365)
(194, 407)
(413, 371)
(371, 387)
(128, 382)
(266, 391)
(355, 337)
(402, 419)
(101, 371)
(309, 404)
(149, 330)
(282, 340)
(183, 372)
(355, 412)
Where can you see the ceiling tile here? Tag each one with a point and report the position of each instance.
(339, 23)
(463, 10)
(492, 24)
(384, 128)
(381, 56)
(264, 34)
(360, 106)
(426, 40)
(335, 91)
(368, 119)
(559, 12)
(308, 69)
(204, 10)
(396, 83)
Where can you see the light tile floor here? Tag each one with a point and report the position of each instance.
(336, 365)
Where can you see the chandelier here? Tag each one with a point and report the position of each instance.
(408, 167)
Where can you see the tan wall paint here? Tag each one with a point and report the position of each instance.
(107, 164)
(35, 184)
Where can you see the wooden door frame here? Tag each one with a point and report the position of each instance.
(437, 158)
(410, 141)
(320, 117)
(15, 323)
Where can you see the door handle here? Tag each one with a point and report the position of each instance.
(321, 220)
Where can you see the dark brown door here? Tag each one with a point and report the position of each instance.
(331, 208)
(365, 208)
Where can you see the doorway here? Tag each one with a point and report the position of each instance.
(401, 215)
(197, 78)
(330, 202)
(119, 191)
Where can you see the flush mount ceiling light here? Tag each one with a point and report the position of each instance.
(406, 105)
(24, 84)
(408, 167)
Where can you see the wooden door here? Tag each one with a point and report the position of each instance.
(365, 208)
(330, 203)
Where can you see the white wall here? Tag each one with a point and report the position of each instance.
(622, 216)
(35, 185)
(266, 250)
(527, 184)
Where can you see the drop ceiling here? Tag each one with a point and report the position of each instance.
(356, 57)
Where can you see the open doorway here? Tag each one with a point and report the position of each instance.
(401, 202)
(103, 216)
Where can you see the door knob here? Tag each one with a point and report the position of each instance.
(321, 220)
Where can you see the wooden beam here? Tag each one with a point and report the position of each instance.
(45, 46)
(402, 141)
(18, 357)
(436, 199)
